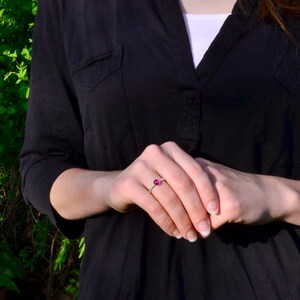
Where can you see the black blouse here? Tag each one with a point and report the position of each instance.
(110, 77)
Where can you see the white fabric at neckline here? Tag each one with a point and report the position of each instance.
(202, 29)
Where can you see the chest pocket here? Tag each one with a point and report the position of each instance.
(92, 70)
(99, 86)
(287, 72)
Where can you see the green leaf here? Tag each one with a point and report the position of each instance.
(8, 283)
(13, 55)
(25, 104)
(7, 75)
(26, 54)
(1, 12)
(27, 96)
(9, 264)
(34, 10)
(81, 248)
(11, 110)
(62, 254)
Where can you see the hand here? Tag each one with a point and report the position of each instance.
(175, 205)
(180, 205)
(244, 198)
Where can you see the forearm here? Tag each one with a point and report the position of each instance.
(79, 193)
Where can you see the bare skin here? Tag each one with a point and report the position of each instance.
(198, 196)
(207, 6)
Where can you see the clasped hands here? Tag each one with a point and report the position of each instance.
(195, 197)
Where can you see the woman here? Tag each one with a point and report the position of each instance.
(181, 171)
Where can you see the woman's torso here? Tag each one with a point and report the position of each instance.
(135, 82)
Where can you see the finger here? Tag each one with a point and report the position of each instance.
(196, 171)
(137, 194)
(170, 201)
(127, 191)
(209, 191)
(181, 183)
(218, 221)
(189, 197)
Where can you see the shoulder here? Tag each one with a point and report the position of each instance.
(64, 6)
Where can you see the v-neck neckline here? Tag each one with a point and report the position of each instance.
(189, 73)
(198, 66)
(194, 80)
(186, 34)
(198, 32)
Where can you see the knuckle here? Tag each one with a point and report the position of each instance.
(185, 184)
(139, 166)
(167, 223)
(197, 170)
(197, 214)
(221, 185)
(201, 173)
(185, 224)
(152, 150)
(125, 184)
(207, 192)
(159, 215)
(169, 144)
(169, 198)
(155, 209)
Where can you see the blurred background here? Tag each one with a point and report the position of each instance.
(36, 261)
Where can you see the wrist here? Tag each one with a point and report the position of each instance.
(284, 199)
(101, 191)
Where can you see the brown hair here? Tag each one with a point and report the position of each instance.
(276, 8)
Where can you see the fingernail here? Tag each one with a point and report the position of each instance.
(212, 207)
(177, 234)
(204, 228)
(192, 236)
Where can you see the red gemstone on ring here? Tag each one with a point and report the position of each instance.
(157, 181)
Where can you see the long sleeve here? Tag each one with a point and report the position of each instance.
(53, 133)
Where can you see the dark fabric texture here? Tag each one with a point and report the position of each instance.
(110, 77)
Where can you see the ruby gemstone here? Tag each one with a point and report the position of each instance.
(157, 181)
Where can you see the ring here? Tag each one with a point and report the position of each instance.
(155, 183)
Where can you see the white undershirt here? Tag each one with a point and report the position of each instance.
(202, 29)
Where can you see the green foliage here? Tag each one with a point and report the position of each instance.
(49, 261)
(62, 254)
(81, 248)
(36, 261)
(9, 268)
(16, 23)
(73, 285)
(62, 258)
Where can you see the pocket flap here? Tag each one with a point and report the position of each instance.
(94, 69)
